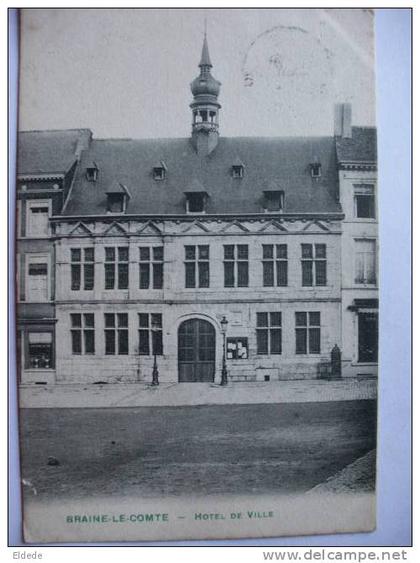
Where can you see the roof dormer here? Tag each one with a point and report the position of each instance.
(159, 171)
(273, 200)
(315, 167)
(196, 198)
(117, 199)
(92, 172)
(237, 169)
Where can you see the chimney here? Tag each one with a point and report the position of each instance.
(342, 120)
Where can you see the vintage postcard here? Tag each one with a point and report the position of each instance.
(197, 273)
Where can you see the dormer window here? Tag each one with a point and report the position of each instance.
(273, 200)
(117, 199)
(159, 171)
(92, 172)
(315, 168)
(115, 203)
(196, 202)
(237, 171)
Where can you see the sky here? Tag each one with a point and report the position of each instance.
(127, 72)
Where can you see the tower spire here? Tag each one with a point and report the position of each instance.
(205, 106)
(205, 55)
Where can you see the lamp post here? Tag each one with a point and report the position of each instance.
(155, 372)
(223, 324)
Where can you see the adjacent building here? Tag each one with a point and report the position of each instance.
(134, 253)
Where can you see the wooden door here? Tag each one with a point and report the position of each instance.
(196, 351)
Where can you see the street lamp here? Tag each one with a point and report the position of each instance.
(223, 324)
(155, 372)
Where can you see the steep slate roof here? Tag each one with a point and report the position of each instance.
(48, 152)
(361, 147)
(270, 163)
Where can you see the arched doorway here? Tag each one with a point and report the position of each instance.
(196, 351)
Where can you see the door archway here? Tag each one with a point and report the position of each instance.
(196, 351)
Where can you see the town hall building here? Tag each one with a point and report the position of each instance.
(197, 259)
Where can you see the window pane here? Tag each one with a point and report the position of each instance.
(123, 342)
(144, 275)
(314, 319)
(281, 272)
(38, 269)
(75, 277)
(301, 319)
(275, 319)
(109, 254)
(365, 206)
(89, 342)
(306, 250)
(89, 254)
(76, 254)
(229, 275)
(242, 274)
(307, 273)
(89, 319)
(262, 341)
(203, 274)
(109, 342)
(281, 250)
(40, 356)
(203, 252)
(268, 274)
(196, 202)
(189, 252)
(320, 251)
(143, 342)
(122, 276)
(156, 320)
(158, 253)
(301, 341)
(229, 251)
(189, 274)
(76, 319)
(267, 251)
(122, 319)
(262, 319)
(144, 253)
(143, 320)
(321, 272)
(76, 341)
(109, 320)
(123, 254)
(275, 338)
(157, 347)
(242, 252)
(89, 276)
(109, 276)
(157, 276)
(314, 340)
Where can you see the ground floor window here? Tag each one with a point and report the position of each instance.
(116, 334)
(39, 350)
(308, 332)
(82, 333)
(368, 337)
(237, 348)
(269, 333)
(150, 334)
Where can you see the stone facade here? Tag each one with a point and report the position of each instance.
(307, 203)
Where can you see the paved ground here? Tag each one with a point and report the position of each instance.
(358, 476)
(176, 394)
(235, 449)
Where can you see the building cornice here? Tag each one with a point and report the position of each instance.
(336, 216)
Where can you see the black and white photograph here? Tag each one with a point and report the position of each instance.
(197, 273)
